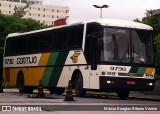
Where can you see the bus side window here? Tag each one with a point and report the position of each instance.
(21, 48)
(71, 39)
(13, 47)
(45, 42)
(68, 35)
(8, 47)
(59, 40)
(62, 40)
(32, 43)
(54, 41)
(76, 38)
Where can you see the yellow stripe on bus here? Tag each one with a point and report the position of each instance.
(44, 59)
(149, 71)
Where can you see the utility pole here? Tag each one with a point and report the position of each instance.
(101, 7)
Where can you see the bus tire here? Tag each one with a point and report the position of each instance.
(29, 89)
(123, 94)
(78, 85)
(22, 88)
(56, 90)
(20, 83)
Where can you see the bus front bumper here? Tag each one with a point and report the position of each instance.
(132, 84)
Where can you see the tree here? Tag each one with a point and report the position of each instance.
(20, 11)
(137, 20)
(151, 20)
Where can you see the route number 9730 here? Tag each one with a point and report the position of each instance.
(118, 68)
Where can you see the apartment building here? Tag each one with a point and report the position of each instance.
(27, 1)
(36, 10)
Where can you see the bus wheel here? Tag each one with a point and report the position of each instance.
(21, 87)
(56, 90)
(79, 91)
(28, 89)
(123, 94)
(20, 83)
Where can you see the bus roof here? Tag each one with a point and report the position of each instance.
(122, 23)
(103, 22)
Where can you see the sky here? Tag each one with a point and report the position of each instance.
(81, 10)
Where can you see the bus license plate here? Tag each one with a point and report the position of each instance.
(131, 82)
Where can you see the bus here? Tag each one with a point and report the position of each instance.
(96, 55)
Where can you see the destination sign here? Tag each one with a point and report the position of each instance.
(19, 61)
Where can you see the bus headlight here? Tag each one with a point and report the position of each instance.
(110, 82)
(150, 84)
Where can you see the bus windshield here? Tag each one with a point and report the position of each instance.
(127, 46)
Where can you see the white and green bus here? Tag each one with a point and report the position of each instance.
(99, 55)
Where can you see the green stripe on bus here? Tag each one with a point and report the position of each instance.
(58, 70)
(141, 70)
(48, 71)
(53, 58)
(133, 69)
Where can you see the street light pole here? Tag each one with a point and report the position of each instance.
(101, 7)
(101, 14)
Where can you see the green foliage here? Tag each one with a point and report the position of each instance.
(150, 19)
(20, 11)
(136, 20)
(157, 56)
(157, 41)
